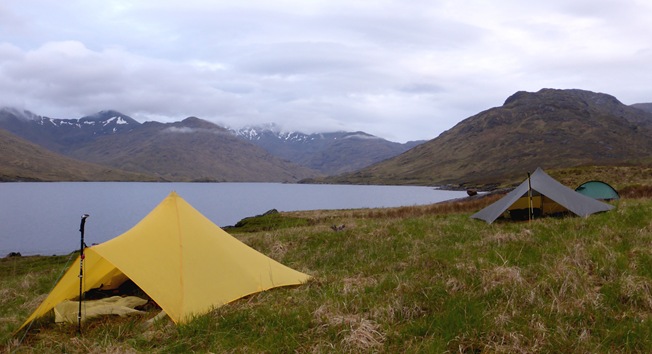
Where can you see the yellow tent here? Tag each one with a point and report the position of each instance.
(182, 260)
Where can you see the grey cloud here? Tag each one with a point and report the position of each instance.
(421, 88)
(398, 70)
(301, 58)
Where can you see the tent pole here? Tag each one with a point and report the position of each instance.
(529, 192)
(81, 269)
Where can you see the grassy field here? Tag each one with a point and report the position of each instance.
(413, 279)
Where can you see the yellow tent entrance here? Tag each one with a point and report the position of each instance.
(180, 259)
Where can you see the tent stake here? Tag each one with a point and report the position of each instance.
(81, 270)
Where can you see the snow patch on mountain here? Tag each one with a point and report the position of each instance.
(116, 119)
(272, 131)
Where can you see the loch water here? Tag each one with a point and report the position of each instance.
(44, 218)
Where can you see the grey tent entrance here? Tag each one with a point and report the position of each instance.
(598, 190)
(540, 195)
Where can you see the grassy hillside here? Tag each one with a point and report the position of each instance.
(625, 179)
(21, 160)
(413, 279)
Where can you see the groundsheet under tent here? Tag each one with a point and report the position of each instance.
(68, 311)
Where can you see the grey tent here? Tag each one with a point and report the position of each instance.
(541, 195)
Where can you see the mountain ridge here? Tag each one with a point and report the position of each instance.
(313, 154)
(330, 153)
(190, 150)
(550, 129)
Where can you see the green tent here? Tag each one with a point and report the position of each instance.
(598, 190)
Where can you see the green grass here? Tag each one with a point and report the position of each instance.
(412, 279)
(272, 220)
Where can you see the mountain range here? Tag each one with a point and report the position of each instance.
(550, 129)
(329, 153)
(190, 150)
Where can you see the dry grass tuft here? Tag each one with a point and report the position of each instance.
(455, 286)
(34, 302)
(468, 267)
(501, 276)
(27, 281)
(397, 311)
(503, 237)
(357, 283)
(499, 342)
(573, 286)
(8, 294)
(9, 319)
(12, 345)
(83, 345)
(327, 317)
(637, 289)
(278, 250)
(358, 333)
(363, 335)
(381, 231)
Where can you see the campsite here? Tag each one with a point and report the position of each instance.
(411, 279)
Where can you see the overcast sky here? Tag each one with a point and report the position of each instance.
(401, 70)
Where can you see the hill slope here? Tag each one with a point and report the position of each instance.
(24, 161)
(550, 128)
(643, 106)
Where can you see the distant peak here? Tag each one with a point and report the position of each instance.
(109, 116)
(194, 122)
(20, 113)
(110, 112)
(590, 97)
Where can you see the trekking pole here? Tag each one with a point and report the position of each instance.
(81, 270)
(529, 191)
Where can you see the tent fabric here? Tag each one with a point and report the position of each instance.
(598, 190)
(547, 186)
(180, 259)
